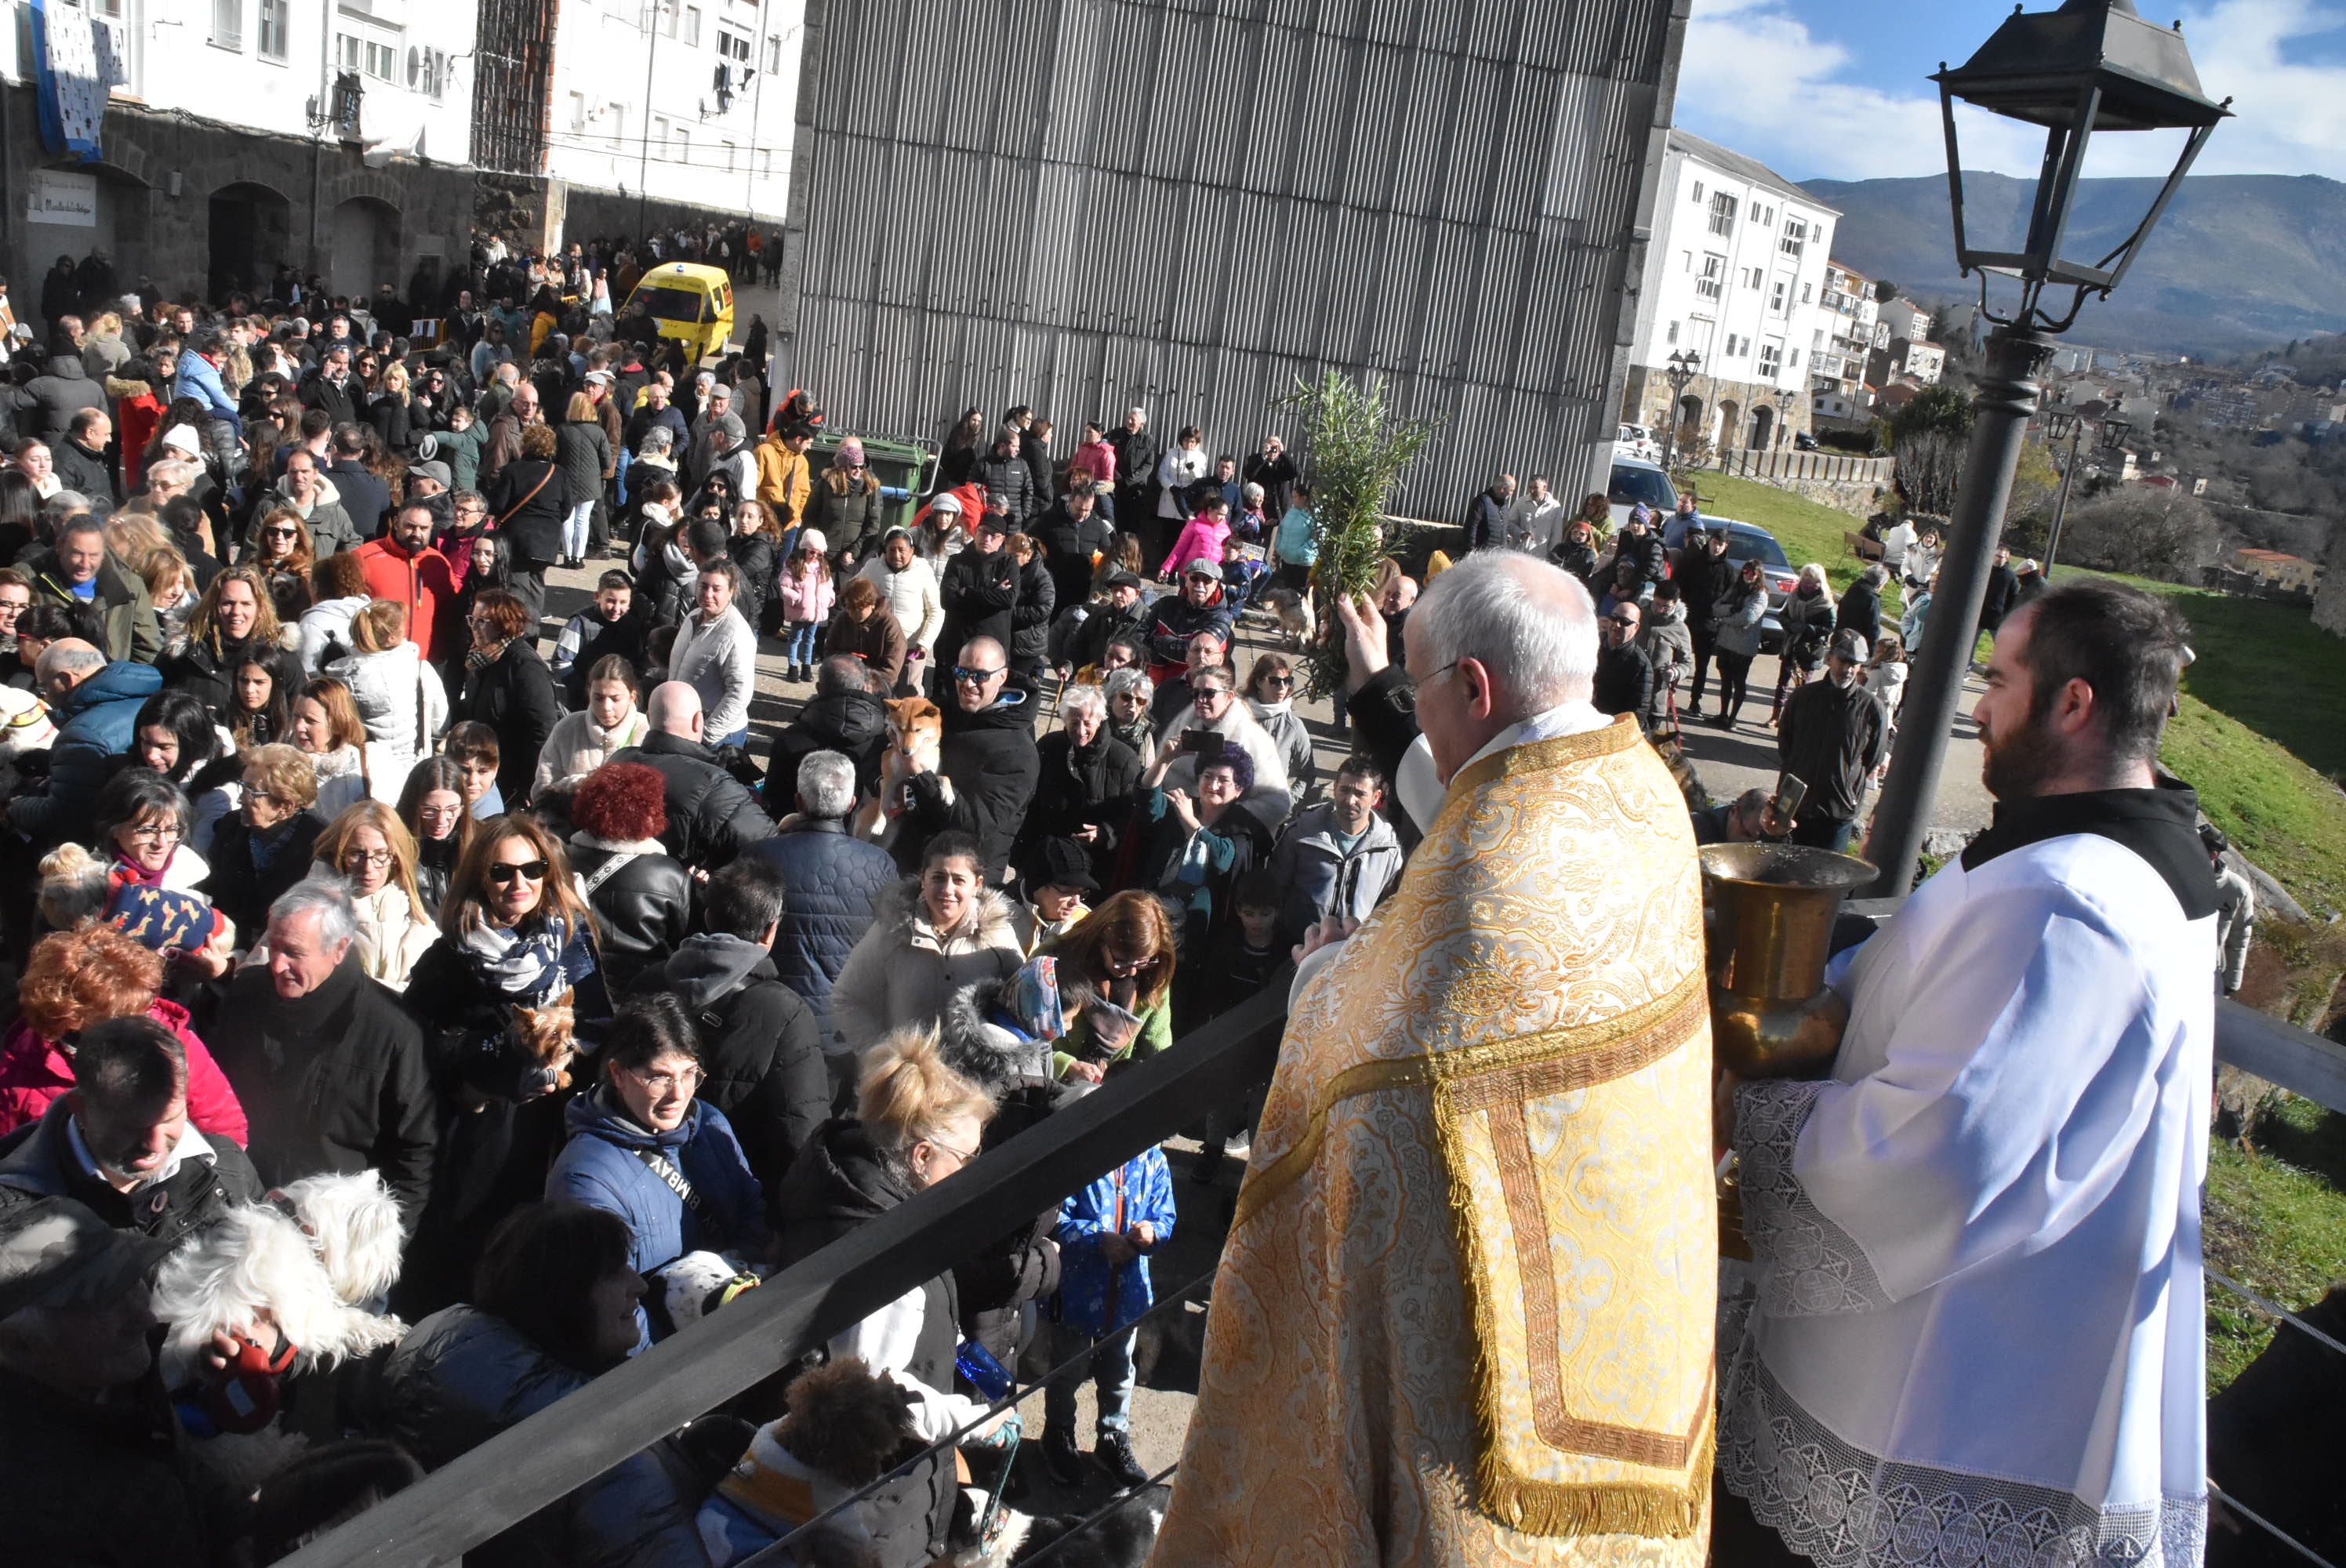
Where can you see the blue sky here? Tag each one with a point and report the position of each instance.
(1837, 89)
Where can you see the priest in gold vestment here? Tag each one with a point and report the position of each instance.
(1465, 1314)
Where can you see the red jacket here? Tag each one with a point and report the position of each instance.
(423, 582)
(34, 1074)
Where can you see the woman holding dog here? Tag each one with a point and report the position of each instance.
(514, 934)
(644, 1147)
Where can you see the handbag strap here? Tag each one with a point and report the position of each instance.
(587, 885)
(543, 480)
(677, 1184)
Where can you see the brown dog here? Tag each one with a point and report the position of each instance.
(548, 1040)
(916, 733)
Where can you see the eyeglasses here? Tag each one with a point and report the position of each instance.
(1278, 680)
(975, 677)
(154, 835)
(266, 795)
(366, 857)
(689, 1080)
(1123, 968)
(961, 1155)
(503, 871)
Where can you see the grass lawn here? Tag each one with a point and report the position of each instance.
(2263, 726)
(2276, 1222)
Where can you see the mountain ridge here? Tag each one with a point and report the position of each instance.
(2240, 262)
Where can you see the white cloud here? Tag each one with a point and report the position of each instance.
(1757, 78)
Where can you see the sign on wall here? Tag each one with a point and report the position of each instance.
(64, 197)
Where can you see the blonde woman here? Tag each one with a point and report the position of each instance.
(400, 699)
(371, 850)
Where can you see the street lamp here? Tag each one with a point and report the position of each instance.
(1684, 365)
(2062, 425)
(2092, 66)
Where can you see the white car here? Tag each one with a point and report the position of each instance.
(1634, 480)
(1635, 441)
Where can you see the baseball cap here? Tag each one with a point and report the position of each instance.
(1201, 567)
(1849, 646)
(53, 1252)
(994, 523)
(598, 378)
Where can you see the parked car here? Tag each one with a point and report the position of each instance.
(1634, 480)
(1635, 441)
(1745, 542)
(1802, 440)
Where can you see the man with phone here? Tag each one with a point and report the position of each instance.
(1834, 734)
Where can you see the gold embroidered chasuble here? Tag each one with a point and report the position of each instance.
(1465, 1314)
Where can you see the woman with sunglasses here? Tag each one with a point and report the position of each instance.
(371, 850)
(432, 808)
(267, 847)
(1270, 697)
(1120, 954)
(514, 933)
(639, 1141)
(918, 1122)
(282, 552)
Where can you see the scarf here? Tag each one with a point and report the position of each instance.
(1264, 710)
(481, 658)
(342, 762)
(523, 964)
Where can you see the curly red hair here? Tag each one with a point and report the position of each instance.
(621, 801)
(78, 978)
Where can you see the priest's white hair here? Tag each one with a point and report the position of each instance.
(1532, 623)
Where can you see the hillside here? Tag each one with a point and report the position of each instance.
(2239, 262)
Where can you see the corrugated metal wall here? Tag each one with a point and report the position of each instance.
(1189, 204)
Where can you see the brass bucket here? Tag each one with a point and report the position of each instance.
(1770, 933)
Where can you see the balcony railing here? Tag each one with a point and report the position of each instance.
(628, 1409)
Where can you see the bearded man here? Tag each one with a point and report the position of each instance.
(1465, 1313)
(1978, 1333)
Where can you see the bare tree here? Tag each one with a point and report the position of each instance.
(1929, 465)
(2147, 533)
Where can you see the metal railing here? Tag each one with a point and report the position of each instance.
(629, 1409)
(635, 1405)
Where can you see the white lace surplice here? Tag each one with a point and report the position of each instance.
(1978, 1337)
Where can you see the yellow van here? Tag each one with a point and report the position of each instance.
(692, 303)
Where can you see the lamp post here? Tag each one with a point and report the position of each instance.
(1684, 365)
(2092, 66)
(2062, 425)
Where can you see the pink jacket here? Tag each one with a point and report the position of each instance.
(1095, 459)
(1202, 536)
(34, 1074)
(806, 599)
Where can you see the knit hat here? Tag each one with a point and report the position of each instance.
(1058, 862)
(183, 438)
(812, 539)
(437, 472)
(849, 455)
(162, 919)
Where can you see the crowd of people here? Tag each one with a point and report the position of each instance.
(598, 986)
(336, 857)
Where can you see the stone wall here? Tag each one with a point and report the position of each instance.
(2329, 603)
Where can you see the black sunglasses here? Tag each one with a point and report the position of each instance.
(974, 676)
(534, 871)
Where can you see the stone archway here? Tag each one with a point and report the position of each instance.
(250, 236)
(363, 249)
(1763, 428)
(1689, 419)
(1729, 424)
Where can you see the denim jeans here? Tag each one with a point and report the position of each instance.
(573, 529)
(800, 648)
(1109, 1366)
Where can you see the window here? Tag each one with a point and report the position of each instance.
(692, 25)
(773, 54)
(659, 135)
(1771, 359)
(1688, 255)
(734, 45)
(272, 40)
(1779, 297)
(1673, 336)
(683, 148)
(366, 55)
(1753, 278)
(666, 13)
(1808, 293)
(729, 151)
(1796, 359)
(618, 113)
(1796, 234)
(1818, 341)
(1722, 213)
(1697, 193)
(227, 23)
(1707, 285)
(577, 112)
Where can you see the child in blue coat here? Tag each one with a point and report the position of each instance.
(1106, 1234)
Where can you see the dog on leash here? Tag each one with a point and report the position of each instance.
(310, 1261)
(916, 733)
(1122, 1539)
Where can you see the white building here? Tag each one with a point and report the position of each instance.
(691, 101)
(231, 136)
(1847, 333)
(1734, 270)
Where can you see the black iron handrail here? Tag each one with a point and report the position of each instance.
(629, 1409)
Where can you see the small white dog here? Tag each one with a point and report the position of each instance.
(312, 1266)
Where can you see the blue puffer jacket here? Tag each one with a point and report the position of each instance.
(1096, 1295)
(97, 720)
(601, 1167)
(461, 1377)
(830, 880)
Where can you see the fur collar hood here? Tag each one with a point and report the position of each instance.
(899, 910)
